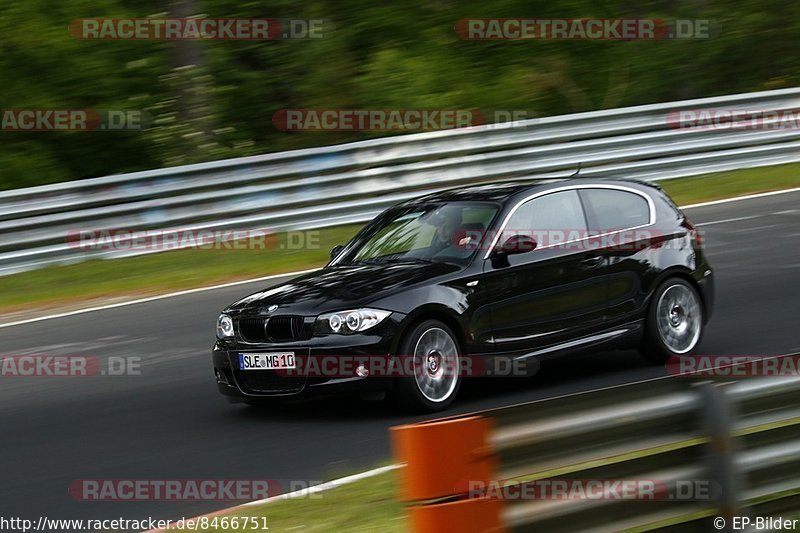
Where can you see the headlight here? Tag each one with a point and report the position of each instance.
(224, 327)
(351, 321)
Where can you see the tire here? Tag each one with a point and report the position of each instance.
(436, 363)
(675, 321)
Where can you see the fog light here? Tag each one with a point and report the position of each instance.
(362, 371)
(221, 379)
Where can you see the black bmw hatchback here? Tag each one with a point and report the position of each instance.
(502, 272)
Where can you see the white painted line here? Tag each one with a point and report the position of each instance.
(288, 274)
(377, 471)
(751, 229)
(154, 298)
(726, 220)
(297, 494)
(326, 486)
(740, 198)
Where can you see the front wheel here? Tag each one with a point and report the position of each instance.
(434, 361)
(674, 322)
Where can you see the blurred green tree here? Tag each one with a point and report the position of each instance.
(215, 99)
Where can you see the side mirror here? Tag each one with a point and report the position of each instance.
(335, 250)
(517, 244)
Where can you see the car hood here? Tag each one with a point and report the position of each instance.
(338, 288)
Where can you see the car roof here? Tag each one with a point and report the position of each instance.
(503, 191)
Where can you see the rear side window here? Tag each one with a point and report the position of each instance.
(611, 209)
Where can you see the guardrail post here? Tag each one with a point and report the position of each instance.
(718, 414)
(441, 458)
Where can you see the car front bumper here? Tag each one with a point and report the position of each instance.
(333, 361)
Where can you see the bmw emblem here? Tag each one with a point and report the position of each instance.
(272, 308)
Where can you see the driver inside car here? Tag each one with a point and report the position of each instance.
(452, 237)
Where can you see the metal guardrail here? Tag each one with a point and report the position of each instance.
(739, 439)
(319, 187)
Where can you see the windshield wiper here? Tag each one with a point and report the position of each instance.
(412, 260)
(369, 261)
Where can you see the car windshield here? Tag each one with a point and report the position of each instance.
(446, 232)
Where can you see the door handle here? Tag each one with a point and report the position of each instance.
(591, 262)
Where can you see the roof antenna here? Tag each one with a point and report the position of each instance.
(577, 171)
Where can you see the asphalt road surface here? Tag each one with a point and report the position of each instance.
(170, 422)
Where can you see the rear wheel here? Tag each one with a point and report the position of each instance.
(434, 363)
(674, 322)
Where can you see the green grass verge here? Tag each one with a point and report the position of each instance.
(59, 286)
(371, 505)
(735, 183)
(165, 272)
(367, 505)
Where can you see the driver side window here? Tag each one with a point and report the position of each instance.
(548, 219)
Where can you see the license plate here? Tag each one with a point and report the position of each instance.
(266, 361)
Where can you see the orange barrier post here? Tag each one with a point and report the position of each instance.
(442, 458)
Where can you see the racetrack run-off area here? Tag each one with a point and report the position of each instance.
(170, 423)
